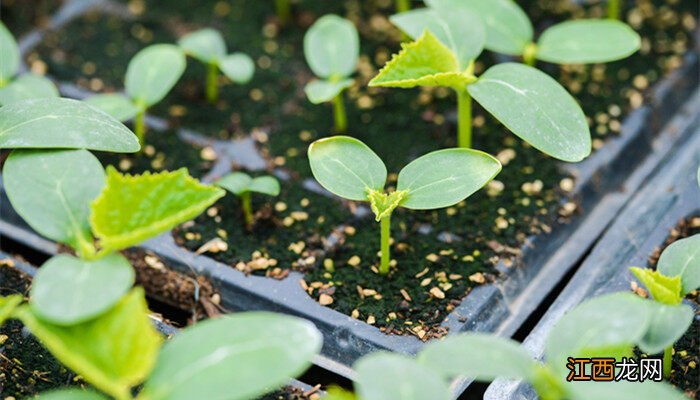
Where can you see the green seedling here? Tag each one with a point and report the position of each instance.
(348, 168)
(332, 49)
(677, 274)
(208, 46)
(15, 88)
(151, 74)
(242, 185)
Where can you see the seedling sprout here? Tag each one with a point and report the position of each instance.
(348, 168)
(242, 185)
(208, 46)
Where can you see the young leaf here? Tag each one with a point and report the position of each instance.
(72, 394)
(153, 72)
(206, 45)
(332, 47)
(624, 391)
(62, 123)
(8, 305)
(52, 190)
(266, 185)
(319, 91)
(237, 67)
(9, 63)
(233, 357)
(383, 204)
(536, 108)
(445, 177)
(425, 62)
(383, 376)
(458, 29)
(508, 28)
(117, 105)
(587, 41)
(69, 291)
(664, 289)
(480, 356)
(27, 87)
(667, 325)
(132, 209)
(113, 352)
(682, 258)
(346, 167)
(239, 183)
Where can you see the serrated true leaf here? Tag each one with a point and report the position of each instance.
(62, 123)
(623, 391)
(8, 305)
(667, 325)
(457, 28)
(112, 352)
(682, 258)
(132, 209)
(425, 62)
(153, 72)
(587, 41)
(346, 167)
(9, 62)
(206, 45)
(536, 108)
(67, 290)
(319, 91)
(382, 376)
(71, 394)
(332, 47)
(237, 67)
(115, 104)
(664, 289)
(508, 28)
(383, 204)
(479, 356)
(235, 357)
(52, 191)
(27, 87)
(445, 177)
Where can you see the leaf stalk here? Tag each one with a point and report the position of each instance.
(247, 206)
(341, 119)
(212, 87)
(668, 361)
(613, 9)
(464, 118)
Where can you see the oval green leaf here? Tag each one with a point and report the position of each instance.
(9, 63)
(682, 258)
(319, 91)
(667, 325)
(536, 108)
(346, 167)
(234, 357)
(117, 105)
(27, 87)
(206, 45)
(132, 209)
(445, 177)
(383, 376)
(479, 356)
(587, 41)
(68, 290)
(268, 185)
(62, 123)
(153, 72)
(71, 394)
(236, 182)
(332, 47)
(238, 67)
(113, 352)
(52, 190)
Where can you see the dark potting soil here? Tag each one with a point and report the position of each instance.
(22, 16)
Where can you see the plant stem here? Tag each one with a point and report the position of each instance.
(403, 6)
(284, 11)
(341, 120)
(247, 205)
(385, 238)
(464, 119)
(140, 126)
(668, 361)
(530, 54)
(614, 9)
(212, 84)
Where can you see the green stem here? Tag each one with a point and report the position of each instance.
(212, 84)
(341, 120)
(385, 238)
(614, 9)
(464, 119)
(86, 249)
(284, 11)
(140, 126)
(247, 205)
(403, 6)
(530, 54)
(668, 361)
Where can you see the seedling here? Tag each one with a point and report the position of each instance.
(208, 46)
(242, 185)
(151, 74)
(348, 168)
(332, 49)
(677, 274)
(15, 88)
